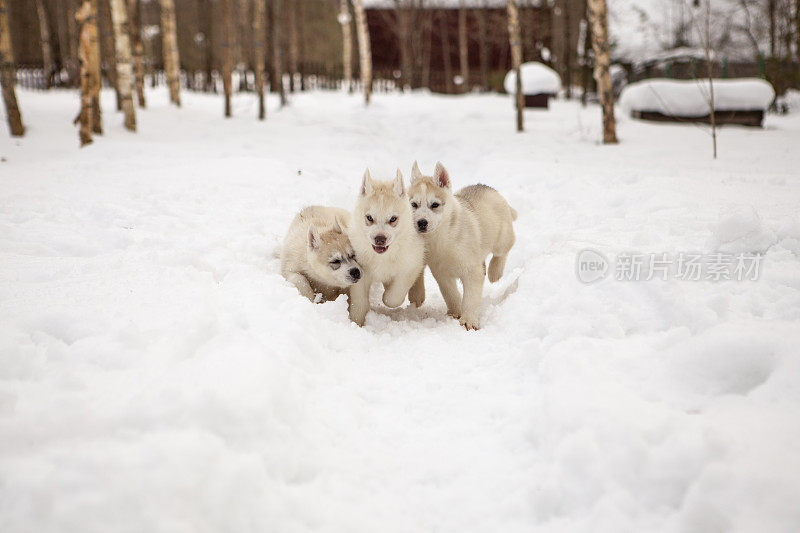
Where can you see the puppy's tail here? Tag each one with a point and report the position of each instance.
(513, 213)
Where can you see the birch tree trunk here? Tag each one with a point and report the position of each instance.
(515, 43)
(347, 44)
(206, 18)
(89, 57)
(598, 17)
(8, 76)
(172, 64)
(364, 49)
(227, 54)
(122, 45)
(135, 24)
(259, 55)
(301, 35)
(47, 48)
(275, 21)
(448, 68)
(463, 51)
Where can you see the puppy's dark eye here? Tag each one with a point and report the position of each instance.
(434, 205)
(414, 205)
(370, 219)
(392, 220)
(335, 261)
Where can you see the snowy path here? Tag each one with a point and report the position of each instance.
(157, 373)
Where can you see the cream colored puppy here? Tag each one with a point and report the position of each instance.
(317, 256)
(386, 243)
(460, 230)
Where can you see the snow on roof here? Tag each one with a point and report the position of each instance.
(447, 4)
(689, 98)
(537, 78)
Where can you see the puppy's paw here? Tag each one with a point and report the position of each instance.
(469, 323)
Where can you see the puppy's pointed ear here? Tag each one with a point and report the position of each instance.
(398, 186)
(337, 225)
(441, 176)
(366, 184)
(313, 238)
(416, 173)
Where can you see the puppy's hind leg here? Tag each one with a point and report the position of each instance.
(416, 295)
(500, 253)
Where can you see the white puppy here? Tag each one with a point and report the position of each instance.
(317, 256)
(386, 243)
(460, 230)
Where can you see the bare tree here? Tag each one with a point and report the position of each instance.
(598, 16)
(7, 75)
(135, 25)
(483, 47)
(47, 48)
(515, 43)
(227, 54)
(259, 53)
(89, 56)
(294, 45)
(172, 63)
(108, 55)
(122, 45)
(277, 48)
(347, 44)
(444, 35)
(68, 41)
(463, 50)
(364, 51)
(703, 29)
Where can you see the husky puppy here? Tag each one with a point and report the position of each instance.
(317, 256)
(460, 230)
(386, 243)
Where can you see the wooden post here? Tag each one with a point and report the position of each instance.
(463, 50)
(347, 44)
(598, 16)
(259, 54)
(122, 45)
(7, 75)
(364, 49)
(515, 43)
(227, 54)
(172, 63)
(135, 25)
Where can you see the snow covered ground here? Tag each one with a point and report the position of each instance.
(158, 374)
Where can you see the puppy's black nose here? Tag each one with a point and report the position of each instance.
(422, 224)
(355, 273)
(380, 240)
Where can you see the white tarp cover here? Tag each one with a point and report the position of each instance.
(536, 78)
(690, 98)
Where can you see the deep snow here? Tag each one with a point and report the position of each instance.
(157, 373)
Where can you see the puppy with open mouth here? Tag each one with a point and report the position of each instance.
(386, 243)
